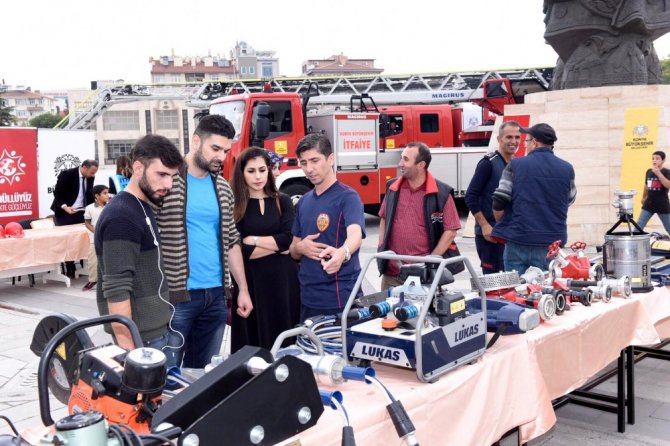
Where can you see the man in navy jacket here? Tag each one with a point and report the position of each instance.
(479, 196)
(531, 202)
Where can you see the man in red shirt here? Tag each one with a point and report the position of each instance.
(418, 215)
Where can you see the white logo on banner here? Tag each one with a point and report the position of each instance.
(65, 162)
(11, 167)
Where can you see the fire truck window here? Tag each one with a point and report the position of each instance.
(395, 124)
(429, 123)
(280, 117)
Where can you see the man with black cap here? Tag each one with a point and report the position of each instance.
(531, 202)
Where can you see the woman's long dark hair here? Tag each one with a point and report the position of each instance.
(123, 166)
(239, 185)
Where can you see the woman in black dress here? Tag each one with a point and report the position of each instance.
(264, 218)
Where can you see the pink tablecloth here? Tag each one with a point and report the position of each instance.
(44, 247)
(511, 385)
(472, 405)
(572, 348)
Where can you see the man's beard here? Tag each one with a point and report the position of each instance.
(202, 163)
(149, 192)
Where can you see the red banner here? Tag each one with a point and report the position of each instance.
(18, 175)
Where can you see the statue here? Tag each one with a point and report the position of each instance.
(605, 42)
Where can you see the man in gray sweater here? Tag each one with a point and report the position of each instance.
(130, 268)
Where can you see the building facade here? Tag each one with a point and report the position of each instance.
(123, 123)
(178, 69)
(339, 65)
(253, 64)
(27, 104)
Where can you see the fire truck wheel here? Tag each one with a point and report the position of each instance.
(295, 191)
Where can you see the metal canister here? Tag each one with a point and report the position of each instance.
(629, 255)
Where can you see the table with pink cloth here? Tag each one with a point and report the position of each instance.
(512, 385)
(42, 251)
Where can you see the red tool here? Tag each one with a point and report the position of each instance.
(545, 304)
(573, 266)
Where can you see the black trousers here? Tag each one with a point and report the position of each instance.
(65, 219)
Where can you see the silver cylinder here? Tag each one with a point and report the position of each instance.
(629, 255)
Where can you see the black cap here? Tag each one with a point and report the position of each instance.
(542, 132)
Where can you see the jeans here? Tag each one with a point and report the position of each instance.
(160, 343)
(519, 257)
(197, 327)
(645, 215)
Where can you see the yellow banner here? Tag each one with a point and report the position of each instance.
(639, 142)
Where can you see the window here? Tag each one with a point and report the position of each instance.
(391, 125)
(167, 119)
(116, 148)
(121, 120)
(233, 111)
(279, 117)
(243, 70)
(430, 123)
(252, 70)
(176, 78)
(214, 77)
(195, 77)
(267, 70)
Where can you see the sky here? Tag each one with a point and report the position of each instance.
(61, 45)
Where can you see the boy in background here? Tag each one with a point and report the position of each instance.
(655, 193)
(91, 215)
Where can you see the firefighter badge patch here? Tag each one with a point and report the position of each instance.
(322, 222)
(436, 217)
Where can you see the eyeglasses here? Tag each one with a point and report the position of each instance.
(528, 140)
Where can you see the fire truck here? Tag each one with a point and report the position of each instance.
(368, 137)
(451, 112)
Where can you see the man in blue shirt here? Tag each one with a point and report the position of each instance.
(201, 245)
(479, 196)
(327, 232)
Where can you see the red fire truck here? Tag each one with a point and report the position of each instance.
(367, 140)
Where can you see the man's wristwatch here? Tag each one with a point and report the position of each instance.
(255, 240)
(347, 253)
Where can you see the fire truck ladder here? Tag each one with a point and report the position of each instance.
(99, 100)
(428, 88)
(386, 89)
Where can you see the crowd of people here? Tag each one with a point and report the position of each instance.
(178, 242)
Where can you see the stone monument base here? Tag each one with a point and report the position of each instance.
(589, 123)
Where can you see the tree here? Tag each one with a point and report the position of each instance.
(6, 116)
(45, 121)
(665, 71)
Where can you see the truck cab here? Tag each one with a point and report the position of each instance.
(270, 120)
